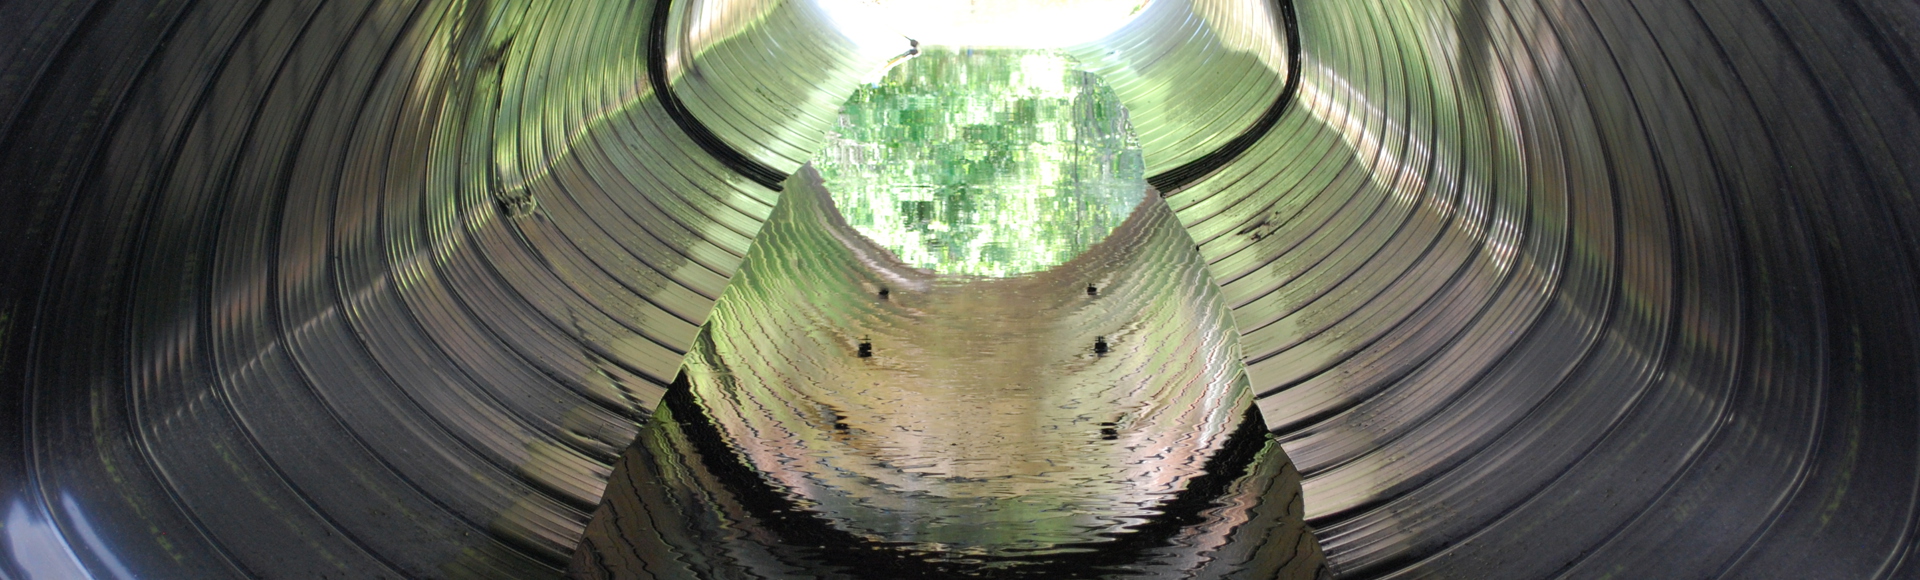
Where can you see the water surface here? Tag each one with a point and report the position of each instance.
(972, 344)
(982, 437)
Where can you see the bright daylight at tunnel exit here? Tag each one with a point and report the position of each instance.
(960, 289)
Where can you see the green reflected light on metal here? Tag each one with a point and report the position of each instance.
(984, 162)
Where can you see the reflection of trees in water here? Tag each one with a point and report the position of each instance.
(986, 162)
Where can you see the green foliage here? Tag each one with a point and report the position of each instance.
(984, 162)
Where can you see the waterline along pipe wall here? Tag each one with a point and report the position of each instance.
(1525, 288)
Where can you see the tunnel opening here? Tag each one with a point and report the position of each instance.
(1524, 288)
(986, 162)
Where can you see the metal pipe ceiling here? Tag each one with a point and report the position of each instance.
(1527, 288)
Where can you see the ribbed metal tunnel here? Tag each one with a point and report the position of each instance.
(1527, 288)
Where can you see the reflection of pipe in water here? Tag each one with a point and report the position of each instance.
(984, 445)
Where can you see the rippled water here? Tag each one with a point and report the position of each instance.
(983, 435)
(971, 345)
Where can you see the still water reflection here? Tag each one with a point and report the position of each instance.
(972, 345)
(985, 162)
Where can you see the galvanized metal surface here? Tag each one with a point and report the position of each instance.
(1528, 288)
